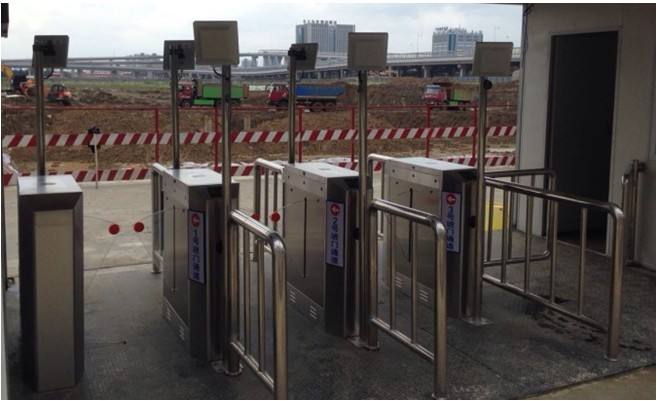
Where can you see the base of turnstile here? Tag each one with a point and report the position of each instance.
(176, 323)
(424, 294)
(304, 305)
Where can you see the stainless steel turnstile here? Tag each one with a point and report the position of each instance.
(187, 248)
(51, 280)
(446, 190)
(319, 226)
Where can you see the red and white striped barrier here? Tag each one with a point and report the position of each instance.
(491, 161)
(237, 170)
(189, 138)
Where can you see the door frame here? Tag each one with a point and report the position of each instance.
(617, 81)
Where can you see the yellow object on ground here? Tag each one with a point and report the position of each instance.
(497, 217)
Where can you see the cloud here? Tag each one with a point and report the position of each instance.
(101, 28)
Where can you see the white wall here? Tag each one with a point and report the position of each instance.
(634, 124)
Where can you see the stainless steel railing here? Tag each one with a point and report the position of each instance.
(157, 202)
(265, 236)
(509, 209)
(415, 217)
(630, 182)
(584, 204)
(262, 169)
(382, 159)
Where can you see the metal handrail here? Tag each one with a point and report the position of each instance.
(265, 167)
(277, 384)
(617, 216)
(629, 203)
(157, 170)
(415, 217)
(371, 159)
(515, 176)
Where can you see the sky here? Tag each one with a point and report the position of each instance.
(119, 27)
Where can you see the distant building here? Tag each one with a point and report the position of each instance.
(331, 36)
(448, 40)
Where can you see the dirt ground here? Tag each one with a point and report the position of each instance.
(137, 102)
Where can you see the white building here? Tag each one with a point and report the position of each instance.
(587, 107)
(331, 36)
(448, 40)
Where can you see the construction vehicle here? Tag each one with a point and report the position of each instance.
(208, 94)
(446, 93)
(58, 93)
(7, 75)
(317, 97)
(21, 84)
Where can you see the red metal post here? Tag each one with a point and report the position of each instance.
(474, 136)
(427, 124)
(353, 126)
(300, 130)
(156, 116)
(215, 141)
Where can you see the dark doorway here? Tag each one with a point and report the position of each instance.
(580, 124)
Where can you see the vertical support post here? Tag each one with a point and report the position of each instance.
(156, 117)
(440, 315)
(175, 128)
(215, 142)
(529, 219)
(414, 280)
(553, 253)
(40, 114)
(275, 198)
(353, 126)
(474, 137)
(280, 320)
(231, 359)
(256, 191)
(427, 124)
(484, 84)
(491, 211)
(246, 260)
(618, 260)
(506, 233)
(583, 224)
(392, 272)
(96, 162)
(368, 333)
(300, 129)
(291, 109)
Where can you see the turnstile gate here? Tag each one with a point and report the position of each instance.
(443, 189)
(51, 280)
(319, 227)
(187, 248)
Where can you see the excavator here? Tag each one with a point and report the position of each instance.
(22, 84)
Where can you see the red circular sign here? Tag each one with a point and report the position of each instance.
(275, 216)
(196, 220)
(451, 199)
(255, 216)
(138, 227)
(114, 229)
(335, 209)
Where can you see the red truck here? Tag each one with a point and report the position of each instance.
(446, 93)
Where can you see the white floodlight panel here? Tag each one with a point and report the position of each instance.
(367, 50)
(492, 59)
(185, 56)
(216, 42)
(56, 53)
(311, 55)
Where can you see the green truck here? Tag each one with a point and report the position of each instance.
(209, 94)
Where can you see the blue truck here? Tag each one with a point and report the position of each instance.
(317, 97)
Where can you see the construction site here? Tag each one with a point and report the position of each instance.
(472, 224)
